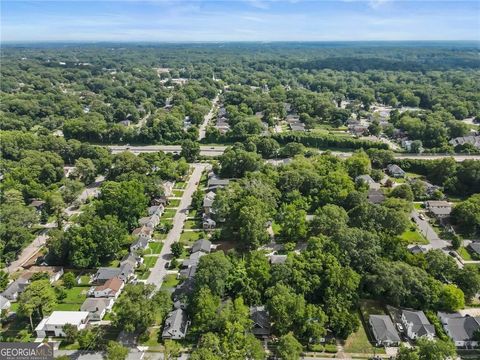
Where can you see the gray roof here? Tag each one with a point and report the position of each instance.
(175, 325)
(395, 169)
(472, 140)
(418, 249)
(209, 199)
(278, 259)
(107, 273)
(127, 269)
(193, 259)
(140, 243)
(215, 181)
(421, 326)
(189, 272)
(475, 246)
(201, 245)
(3, 301)
(460, 328)
(261, 320)
(383, 328)
(297, 126)
(95, 305)
(184, 289)
(16, 287)
(129, 259)
(375, 196)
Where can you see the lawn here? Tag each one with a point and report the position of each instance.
(154, 248)
(144, 275)
(174, 203)
(463, 252)
(178, 193)
(76, 295)
(358, 343)
(170, 281)
(159, 236)
(192, 213)
(190, 236)
(192, 224)
(180, 185)
(169, 213)
(153, 337)
(149, 261)
(413, 237)
(418, 205)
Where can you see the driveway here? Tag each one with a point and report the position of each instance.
(158, 272)
(426, 230)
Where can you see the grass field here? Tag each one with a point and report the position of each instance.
(150, 261)
(170, 281)
(154, 248)
(190, 236)
(169, 213)
(144, 275)
(193, 224)
(178, 193)
(180, 185)
(174, 203)
(74, 299)
(413, 237)
(463, 252)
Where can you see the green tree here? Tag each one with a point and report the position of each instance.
(171, 350)
(358, 164)
(288, 348)
(69, 280)
(176, 249)
(190, 150)
(38, 299)
(116, 351)
(85, 170)
(293, 223)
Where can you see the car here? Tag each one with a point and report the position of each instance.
(400, 327)
(421, 216)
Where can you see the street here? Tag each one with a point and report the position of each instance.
(208, 117)
(158, 272)
(426, 230)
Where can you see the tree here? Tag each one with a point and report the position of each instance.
(69, 280)
(3, 280)
(116, 351)
(328, 220)
(71, 333)
(451, 298)
(85, 170)
(251, 222)
(171, 350)
(358, 164)
(212, 272)
(190, 150)
(435, 349)
(403, 191)
(293, 223)
(176, 249)
(235, 162)
(467, 214)
(37, 299)
(205, 306)
(288, 348)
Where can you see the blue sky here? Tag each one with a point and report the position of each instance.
(248, 20)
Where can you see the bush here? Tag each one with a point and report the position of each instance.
(330, 348)
(327, 141)
(316, 347)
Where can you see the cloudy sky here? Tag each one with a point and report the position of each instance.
(249, 20)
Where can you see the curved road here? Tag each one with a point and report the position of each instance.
(217, 150)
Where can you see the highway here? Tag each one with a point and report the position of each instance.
(217, 150)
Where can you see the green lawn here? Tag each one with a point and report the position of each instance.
(153, 337)
(144, 275)
(154, 248)
(74, 299)
(192, 213)
(159, 236)
(418, 206)
(413, 237)
(149, 261)
(190, 236)
(463, 252)
(169, 213)
(170, 281)
(180, 185)
(192, 224)
(178, 193)
(358, 343)
(174, 203)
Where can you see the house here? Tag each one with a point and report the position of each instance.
(189, 272)
(15, 289)
(131, 259)
(193, 259)
(176, 325)
(54, 272)
(475, 247)
(297, 126)
(159, 200)
(184, 289)
(144, 232)
(110, 289)
(440, 209)
(156, 210)
(261, 326)
(209, 224)
(375, 196)
(418, 249)
(358, 130)
(97, 307)
(140, 244)
(208, 202)
(149, 221)
(214, 182)
(37, 204)
(472, 140)
(105, 273)
(277, 259)
(367, 179)
(395, 171)
(4, 303)
(417, 325)
(168, 187)
(383, 330)
(127, 271)
(53, 325)
(202, 245)
(460, 329)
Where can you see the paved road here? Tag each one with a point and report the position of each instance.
(207, 118)
(429, 233)
(217, 150)
(158, 272)
(41, 239)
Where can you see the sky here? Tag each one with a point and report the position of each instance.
(247, 20)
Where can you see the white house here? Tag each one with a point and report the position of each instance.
(111, 289)
(461, 329)
(53, 325)
(417, 325)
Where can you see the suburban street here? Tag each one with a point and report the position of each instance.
(427, 230)
(41, 239)
(217, 150)
(159, 271)
(208, 117)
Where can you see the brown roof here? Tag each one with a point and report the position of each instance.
(114, 284)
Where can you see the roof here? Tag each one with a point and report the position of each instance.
(106, 273)
(215, 181)
(114, 284)
(201, 245)
(66, 317)
(141, 242)
(460, 328)
(189, 272)
(129, 259)
(261, 320)
(93, 305)
(395, 169)
(17, 286)
(278, 259)
(418, 249)
(175, 324)
(36, 203)
(475, 246)
(472, 140)
(208, 199)
(3, 301)
(127, 268)
(420, 324)
(375, 196)
(383, 328)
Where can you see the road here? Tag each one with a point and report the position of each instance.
(429, 233)
(158, 272)
(40, 241)
(217, 150)
(207, 118)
